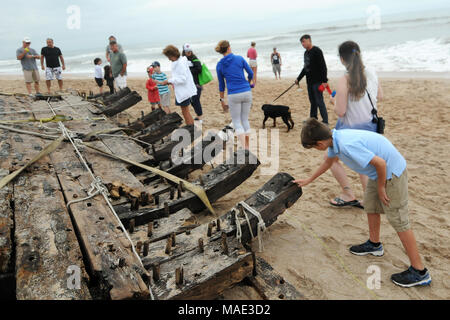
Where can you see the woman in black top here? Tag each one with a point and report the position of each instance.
(196, 68)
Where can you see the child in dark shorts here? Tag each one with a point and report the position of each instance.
(98, 73)
(109, 78)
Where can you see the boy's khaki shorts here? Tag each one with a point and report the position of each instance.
(397, 191)
(165, 99)
(31, 76)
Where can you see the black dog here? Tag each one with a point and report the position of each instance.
(274, 111)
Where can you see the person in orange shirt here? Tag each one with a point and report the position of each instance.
(153, 93)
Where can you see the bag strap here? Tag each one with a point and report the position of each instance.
(374, 111)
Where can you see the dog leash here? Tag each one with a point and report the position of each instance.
(285, 92)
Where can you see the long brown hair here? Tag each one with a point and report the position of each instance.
(357, 81)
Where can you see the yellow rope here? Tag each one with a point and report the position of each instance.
(57, 118)
(48, 149)
(197, 190)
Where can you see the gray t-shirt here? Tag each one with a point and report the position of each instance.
(108, 48)
(118, 59)
(27, 63)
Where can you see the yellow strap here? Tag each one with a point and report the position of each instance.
(197, 190)
(48, 149)
(56, 118)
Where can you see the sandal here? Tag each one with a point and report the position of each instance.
(342, 203)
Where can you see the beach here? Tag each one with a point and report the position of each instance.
(308, 245)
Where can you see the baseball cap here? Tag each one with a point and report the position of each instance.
(27, 39)
(187, 47)
(156, 64)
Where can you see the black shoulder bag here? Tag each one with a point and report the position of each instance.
(381, 123)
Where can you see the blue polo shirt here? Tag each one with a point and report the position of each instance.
(356, 148)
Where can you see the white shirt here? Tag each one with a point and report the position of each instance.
(182, 80)
(361, 111)
(98, 72)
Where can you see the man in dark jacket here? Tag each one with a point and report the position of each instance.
(196, 68)
(315, 70)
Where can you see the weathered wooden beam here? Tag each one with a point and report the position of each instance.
(218, 182)
(270, 201)
(163, 151)
(277, 195)
(177, 223)
(45, 241)
(270, 285)
(6, 226)
(205, 274)
(46, 245)
(99, 95)
(101, 236)
(147, 120)
(116, 96)
(160, 129)
(123, 104)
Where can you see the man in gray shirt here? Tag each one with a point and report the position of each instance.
(28, 57)
(108, 48)
(119, 66)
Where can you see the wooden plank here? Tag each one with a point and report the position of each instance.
(163, 228)
(270, 285)
(45, 242)
(6, 226)
(163, 150)
(205, 274)
(123, 104)
(116, 96)
(46, 245)
(115, 271)
(103, 240)
(217, 183)
(6, 197)
(271, 200)
(147, 120)
(161, 128)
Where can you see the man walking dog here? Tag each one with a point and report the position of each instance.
(315, 70)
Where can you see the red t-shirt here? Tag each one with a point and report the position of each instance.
(252, 54)
(153, 93)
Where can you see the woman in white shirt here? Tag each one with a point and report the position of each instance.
(352, 105)
(182, 81)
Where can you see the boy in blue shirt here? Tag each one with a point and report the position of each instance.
(371, 154)
(164, 91)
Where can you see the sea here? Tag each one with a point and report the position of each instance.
(408, 42)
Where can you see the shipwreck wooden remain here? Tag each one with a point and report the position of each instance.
(52, 222)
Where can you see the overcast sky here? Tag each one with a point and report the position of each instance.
(153, 22)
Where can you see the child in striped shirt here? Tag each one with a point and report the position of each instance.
(164, 91)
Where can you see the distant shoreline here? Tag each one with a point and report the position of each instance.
(265, 75)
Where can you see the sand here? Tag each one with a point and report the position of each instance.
(308, 245)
